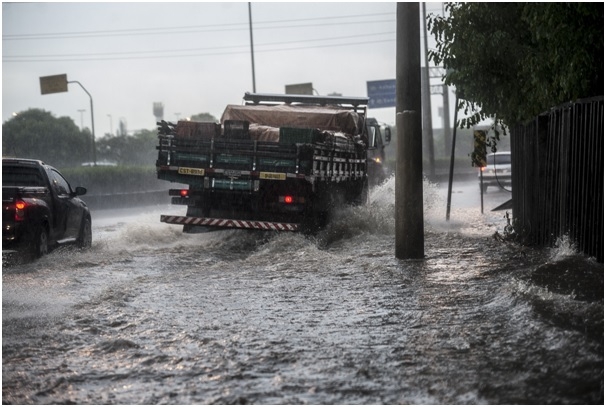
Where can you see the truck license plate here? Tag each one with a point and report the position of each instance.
(191, 171)
(232, 173)
(273, 175)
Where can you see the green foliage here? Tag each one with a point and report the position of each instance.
(138, 149)
(37, 134)
(517, 60)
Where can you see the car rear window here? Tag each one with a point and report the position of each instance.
(18, 176)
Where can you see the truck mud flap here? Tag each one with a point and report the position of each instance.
(230, 223)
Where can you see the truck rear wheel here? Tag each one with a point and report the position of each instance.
(314, 222)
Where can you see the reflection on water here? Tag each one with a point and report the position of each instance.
(150, 315)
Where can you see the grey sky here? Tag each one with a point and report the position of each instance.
(192, 57)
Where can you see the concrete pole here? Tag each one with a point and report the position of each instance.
(409, 188)
(426, 100)
(410, 240)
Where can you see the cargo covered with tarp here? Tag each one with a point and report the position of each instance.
(266, 165)
(331, 118)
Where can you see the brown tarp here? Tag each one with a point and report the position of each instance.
(301, 116)
(264, 133)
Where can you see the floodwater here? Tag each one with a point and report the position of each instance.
(150, 315)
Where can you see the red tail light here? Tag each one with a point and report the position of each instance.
(289, 199)
(20, 210)
(179, 192)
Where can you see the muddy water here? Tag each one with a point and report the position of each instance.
(150, 315)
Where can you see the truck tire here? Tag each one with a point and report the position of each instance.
(85, 238)
(38, 245)
(314, 222)
(363, 196)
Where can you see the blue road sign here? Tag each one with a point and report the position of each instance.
(381, 93)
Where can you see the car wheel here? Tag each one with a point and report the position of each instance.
(85, 238)
(39, 243)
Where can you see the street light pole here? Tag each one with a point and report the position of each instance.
(92, 121)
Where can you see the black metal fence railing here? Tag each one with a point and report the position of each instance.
(558, 177)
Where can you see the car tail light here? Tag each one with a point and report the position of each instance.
(20, 210)
(288, 199)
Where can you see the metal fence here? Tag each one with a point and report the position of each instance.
(558, 177)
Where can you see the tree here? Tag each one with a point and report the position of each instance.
(517, 60)
(138, 149)
(37, 134)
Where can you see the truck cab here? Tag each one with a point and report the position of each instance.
(379, 136)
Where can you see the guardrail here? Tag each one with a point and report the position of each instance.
(125, 200)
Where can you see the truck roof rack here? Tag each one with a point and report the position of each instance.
(258, 98)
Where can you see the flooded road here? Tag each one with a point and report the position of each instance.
(150, 315)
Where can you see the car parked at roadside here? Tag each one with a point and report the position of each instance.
(497, 172)
(40, 210)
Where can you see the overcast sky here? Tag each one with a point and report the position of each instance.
(191, 57)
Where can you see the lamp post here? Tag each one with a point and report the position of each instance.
(58, 83)
(92, 121)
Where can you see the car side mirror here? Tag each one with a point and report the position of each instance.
(80, 191)
(387, 134)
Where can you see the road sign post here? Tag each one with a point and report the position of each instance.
(58, 84)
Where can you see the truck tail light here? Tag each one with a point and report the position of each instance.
(289, 199)
(183, 193)
(20, 211)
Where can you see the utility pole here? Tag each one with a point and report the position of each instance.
(426, 99)
(252, 51)
(410, 240)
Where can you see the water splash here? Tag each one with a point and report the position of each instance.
(564, 247)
